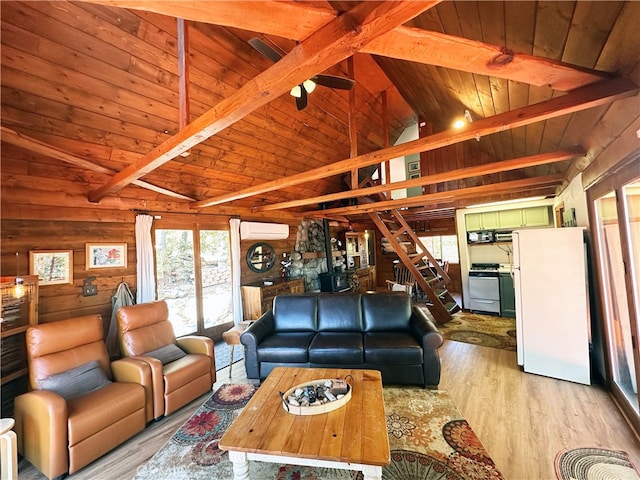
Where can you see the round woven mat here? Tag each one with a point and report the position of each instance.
(594, 464)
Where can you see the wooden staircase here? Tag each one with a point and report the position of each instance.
(406, 244)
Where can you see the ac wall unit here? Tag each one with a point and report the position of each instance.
(263, 231)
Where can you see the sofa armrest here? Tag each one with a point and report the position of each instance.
(41, 429)
(202, 345)
(431, 340)
(251, 338)
(136, 370)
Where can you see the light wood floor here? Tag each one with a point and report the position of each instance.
(523, 420)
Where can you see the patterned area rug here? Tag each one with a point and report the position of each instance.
(594, 464)
(485, 330)
(428, 437)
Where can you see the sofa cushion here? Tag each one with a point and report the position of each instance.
(167, 354)
(295, 313)
(339, 313)
(336, 348)
(285, 347)
(77, 381)
(392, 348)
(386, 312)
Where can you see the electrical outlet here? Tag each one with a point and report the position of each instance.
(89, 290)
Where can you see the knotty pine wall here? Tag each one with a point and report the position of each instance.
(58, 302)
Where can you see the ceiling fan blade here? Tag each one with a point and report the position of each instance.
(333, 81)
(301, 101)
(265, 49)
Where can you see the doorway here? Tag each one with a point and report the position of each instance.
(615, 214)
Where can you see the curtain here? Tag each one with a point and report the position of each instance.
(144, 251)
(236, 299)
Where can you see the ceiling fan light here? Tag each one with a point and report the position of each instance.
(458, 124)
(309, 85)
(296, 91)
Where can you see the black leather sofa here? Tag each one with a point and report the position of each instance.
(378, 331)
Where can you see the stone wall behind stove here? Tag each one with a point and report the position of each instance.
(309, 260)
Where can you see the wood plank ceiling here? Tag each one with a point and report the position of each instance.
(91, 91)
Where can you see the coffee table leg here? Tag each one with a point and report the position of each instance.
(231, 349)
(241, 465)
(372, 472)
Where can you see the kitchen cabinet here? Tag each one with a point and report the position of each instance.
(366, 279)
(507, 296)
(513, 218)
(481, 221)
(536, 217)
(510, 218)
(18, 314)
(258, 297)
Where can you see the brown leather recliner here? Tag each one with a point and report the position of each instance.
(179, 375)
(74, 412)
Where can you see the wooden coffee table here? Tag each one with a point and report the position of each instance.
(353, 437)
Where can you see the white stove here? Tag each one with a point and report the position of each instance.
(484, 287)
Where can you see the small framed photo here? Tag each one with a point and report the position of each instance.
(414, 175)
(414, 166)
(106, 255)
(53, 267)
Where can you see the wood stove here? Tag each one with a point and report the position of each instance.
(332, 281)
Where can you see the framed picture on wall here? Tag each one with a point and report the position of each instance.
(53, 267)
(414, 166)
(106, 255)
(414, 175)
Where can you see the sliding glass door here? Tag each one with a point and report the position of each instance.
(193, 274)
(616, 211)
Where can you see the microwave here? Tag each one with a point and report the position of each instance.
(503, 236)
(483, 236)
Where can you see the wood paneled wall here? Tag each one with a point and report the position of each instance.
(58, 302)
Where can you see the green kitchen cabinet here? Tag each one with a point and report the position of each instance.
(481, 221)
(507, 296)
(510, 218)
(536, 217)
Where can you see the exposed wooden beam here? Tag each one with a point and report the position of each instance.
(36, 146)
(297, 21)
(449, 195)
(285, 19)
(327, 46)
(433, 48)
(580, 99)
(183, 72)
(467, 172)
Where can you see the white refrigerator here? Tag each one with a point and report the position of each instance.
(552, 303)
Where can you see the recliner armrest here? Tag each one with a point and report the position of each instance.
(196, 344)
(157, 385)
(41, 428)
(201, 345)
(136, 370)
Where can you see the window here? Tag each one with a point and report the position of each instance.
(193, 275)
(443, 247)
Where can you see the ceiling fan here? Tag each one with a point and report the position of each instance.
(301, 91)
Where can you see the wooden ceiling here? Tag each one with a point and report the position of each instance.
(107, 103)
